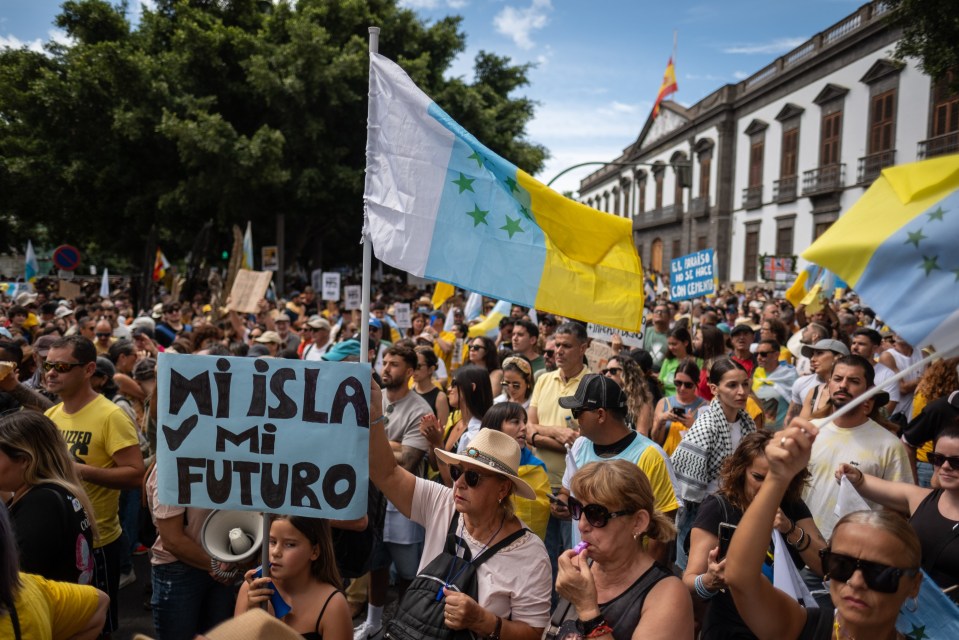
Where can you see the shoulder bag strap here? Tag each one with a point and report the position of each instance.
(508, 540)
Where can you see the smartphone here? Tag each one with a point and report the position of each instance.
(679, 411)
(726, 532)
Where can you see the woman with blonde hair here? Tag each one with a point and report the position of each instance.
(51, 513)
(615, 588)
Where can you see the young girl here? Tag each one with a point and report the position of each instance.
(303, 571)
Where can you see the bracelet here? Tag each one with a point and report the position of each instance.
(587, 627)
(862, 479)
(702, 590)
(382, 419)
(802, 534)
(792, 527)
(496, 630)
(532, 440)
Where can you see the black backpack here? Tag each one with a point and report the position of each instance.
(420, 612)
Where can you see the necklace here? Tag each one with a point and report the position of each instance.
(839, 633)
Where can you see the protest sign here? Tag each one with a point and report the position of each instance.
(354, 296)
(258, 434)
(270, 258)
(692, 276)
(249, 287)
(598, 355)
(599, 332)
(331, 286)
(68, 290)
(401, 313)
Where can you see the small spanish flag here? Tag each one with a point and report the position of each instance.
(668, 87)
(160, 266)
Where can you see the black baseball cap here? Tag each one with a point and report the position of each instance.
(595, 392)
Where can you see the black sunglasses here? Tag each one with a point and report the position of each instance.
(472, 477)
(476, 347)
(878, 577)
(596, 514)
(60, 367)
(104, 335)
(684, 384)
(578, 411)
(613, 370)
(549, 353)
(764, 354)
(939, 459)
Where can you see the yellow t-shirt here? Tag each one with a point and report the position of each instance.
(549, 389)
(918, 404)
(49, 610)
(93, 434)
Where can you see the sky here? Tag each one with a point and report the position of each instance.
(598, 63)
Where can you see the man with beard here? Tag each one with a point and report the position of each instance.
(822, 355)
(854, 439)
(401, 542)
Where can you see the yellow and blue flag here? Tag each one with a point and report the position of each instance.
(808, 278)
(441, 205)
(897, 248)
(30, 267)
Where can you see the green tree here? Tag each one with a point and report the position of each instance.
(930, 32)
(226, 111)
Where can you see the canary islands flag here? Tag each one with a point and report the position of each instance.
(896, 247)
(30, 265)
(441, 205)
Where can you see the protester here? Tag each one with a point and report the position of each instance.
(772, 383)
(709, 345)
(303, 571)
(624, 592)
(482, 353)
(524, 341)
(655, 337)
(639, 391)
(867, 597)
(517, 382)
(679, 346)
(808, 392)
(675, 414)
(423, 384)
(936, 392)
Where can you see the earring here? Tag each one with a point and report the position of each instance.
(635, 536)
(912, 604)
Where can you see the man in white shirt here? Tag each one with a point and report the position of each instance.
(319, 329)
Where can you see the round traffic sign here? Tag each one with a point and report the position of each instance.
(66, 257)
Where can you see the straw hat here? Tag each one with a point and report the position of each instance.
(252, 625)
(497, 452)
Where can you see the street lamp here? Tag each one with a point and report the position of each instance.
(684, 169)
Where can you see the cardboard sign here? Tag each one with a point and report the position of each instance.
(692, 276)
(401, 313)
(316, 279)
(263, 434)
(69, 290)
(331, 286)
(354, 296)
(597, 355)
(599, 332)
(249, 287)
(270, 258)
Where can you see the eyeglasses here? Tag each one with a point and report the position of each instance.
(684, 384)
(578, 411)
(878, 577)
(60, 367)
(515, 386)
(104, 335)
(939, 459)
(612, 371)
(596, 514)
(548, 353)
(477, 347)
(472, 476)
(764, 354)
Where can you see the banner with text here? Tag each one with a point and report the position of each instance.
(599, 332)
(258, 434)
(692, 276)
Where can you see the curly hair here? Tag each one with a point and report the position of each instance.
(939, 380)
(732, 476)
(635, 387)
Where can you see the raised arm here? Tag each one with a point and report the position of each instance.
(394, 481)
(898, 496)
(768, 612)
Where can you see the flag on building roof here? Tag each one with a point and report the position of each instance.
(896, 247)
(668, 87)
(160, 265)
(441, 205)
(30, 267)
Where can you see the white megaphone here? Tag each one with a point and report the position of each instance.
(232, 537)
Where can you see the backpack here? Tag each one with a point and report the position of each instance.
(420, 613)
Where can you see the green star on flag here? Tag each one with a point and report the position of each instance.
(917, 633)
(476, 156)
(525, 213)
(464, 183)
(937, 214)
(512, 185)
(512, 226)
(915, 237)
(930, 264)
(478, 215)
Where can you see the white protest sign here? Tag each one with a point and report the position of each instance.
(599, 332)
(331, 286)
(259, 434)
(354, 296)
(401, 313)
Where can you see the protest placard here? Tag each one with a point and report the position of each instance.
(249, 287)
(270, 258)
(692, 276)
(401, 313)
(354, 296)
(598, 355)
(599, 332)
(68, 290)
(331, 286)
(258, 434)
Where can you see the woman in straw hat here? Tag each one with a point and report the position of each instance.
(513, 594)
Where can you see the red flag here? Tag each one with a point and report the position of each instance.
(668, 87)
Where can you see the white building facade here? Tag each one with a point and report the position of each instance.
(763, 167)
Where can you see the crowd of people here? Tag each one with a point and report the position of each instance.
(518, 483)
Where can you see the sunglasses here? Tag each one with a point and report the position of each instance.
(549, 353)
(60, 367)
(878, 577)
(684, 384)
(578, 411)
(939, 459)
(612, 371)
(764, 354)
(472, 477)
(104, 335)
(476, 347)
(515, 386)
(596, 514)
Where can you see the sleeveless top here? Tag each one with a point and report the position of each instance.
(430, 397)
(315, 634)
(939, 538)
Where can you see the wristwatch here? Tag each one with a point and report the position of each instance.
(496, 630)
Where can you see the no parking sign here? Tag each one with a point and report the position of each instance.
(66, 257)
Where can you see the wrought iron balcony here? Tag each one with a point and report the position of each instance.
(872, 165)
(785, 189)
(658, 217)
(825, 179)
(699, 206)
(753, 197)
(939, 146)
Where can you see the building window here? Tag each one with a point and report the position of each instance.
(677, 248)
(642, 195)
(751, 254)
(789, 164)
(882, 122)
(821, 228)
(656, 255)
(830, 139)
(756, 162)
(784, 238)
(701, 243)
(626, 186)
(705, 168)
(659, 190)
(615, 201)
(945, 110)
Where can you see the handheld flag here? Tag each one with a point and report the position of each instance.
(896, 248)
(668, 87)
(105, 284)
(441, 293)
(441, 205)
(30, 267)
(248, 247)
(160, 266)
(489, 326)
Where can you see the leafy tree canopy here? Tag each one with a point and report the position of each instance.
(931, 34)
